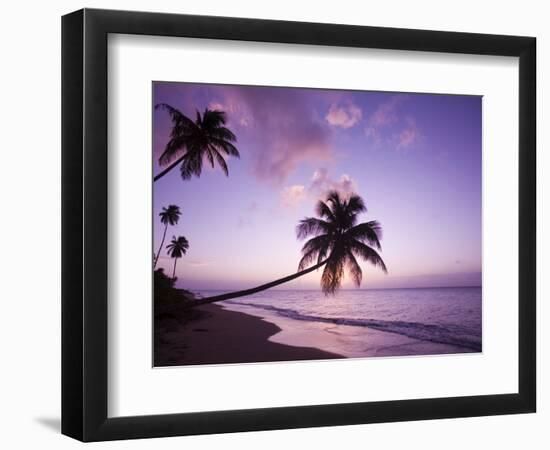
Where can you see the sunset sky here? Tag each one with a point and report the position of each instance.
(414, 158)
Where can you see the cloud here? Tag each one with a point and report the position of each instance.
(409, 135)
(383, 116)
(320, 185)
(344, 116)
(283, 129)
(292, 196)
(217, 106)
(385, 125)
(283, 126)
(236, 114)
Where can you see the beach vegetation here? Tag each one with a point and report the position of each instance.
(168, 216)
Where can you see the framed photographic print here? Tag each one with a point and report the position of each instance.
(266, 224)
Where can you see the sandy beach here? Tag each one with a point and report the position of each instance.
(211, 334)
(348, 341)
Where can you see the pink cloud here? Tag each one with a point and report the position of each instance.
(344, 116)
(383, 122)
(283, 125)
(320, 184)
(409, 135)
(217, 106)
(292, 196)
(236, 113)
(384, 115)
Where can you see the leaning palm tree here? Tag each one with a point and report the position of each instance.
(337, 242)
(176, 249)
(168, 216)
(193, 141)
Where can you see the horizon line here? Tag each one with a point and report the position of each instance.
(348, 289)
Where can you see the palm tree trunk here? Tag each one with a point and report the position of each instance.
(174, 272)
(263, 287)
(168, 169)
(161, 244)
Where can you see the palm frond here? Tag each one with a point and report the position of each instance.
(311, 226)
(354, 269)
(222, 133)
(210, 156)
(178, 118)
(368, 254)
(221, 161)
(355, 205)
(227, 147)
(369, 232)
(333, 197)
(333, 274)
(306, 260)
(191, 165)
(315, 248)
(323, 210)
(174, 148)
(212, 119)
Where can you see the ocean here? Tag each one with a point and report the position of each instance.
(374, 322)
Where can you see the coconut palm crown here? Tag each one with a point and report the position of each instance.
(193, 141)
(340, 240)
(170, 215)
(176, 249)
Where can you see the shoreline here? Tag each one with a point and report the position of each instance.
(215, 335)
(349, 340)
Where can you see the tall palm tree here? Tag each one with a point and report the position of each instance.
(192, 141)
(337, 242)
(168, 216)
(176, 249)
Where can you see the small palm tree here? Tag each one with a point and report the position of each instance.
(168, 216)
(337, 242)
(176, 249)
(193, 141)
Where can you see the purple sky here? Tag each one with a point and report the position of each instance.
(414, 158)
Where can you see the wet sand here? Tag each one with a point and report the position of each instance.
(349, 341)
(211, 334)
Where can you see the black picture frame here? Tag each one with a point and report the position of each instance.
(84, 224)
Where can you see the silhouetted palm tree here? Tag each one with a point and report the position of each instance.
(337, 242)
(168, 216)
(192, 141)
(176, 249)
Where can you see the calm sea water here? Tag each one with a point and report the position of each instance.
(450, 316)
